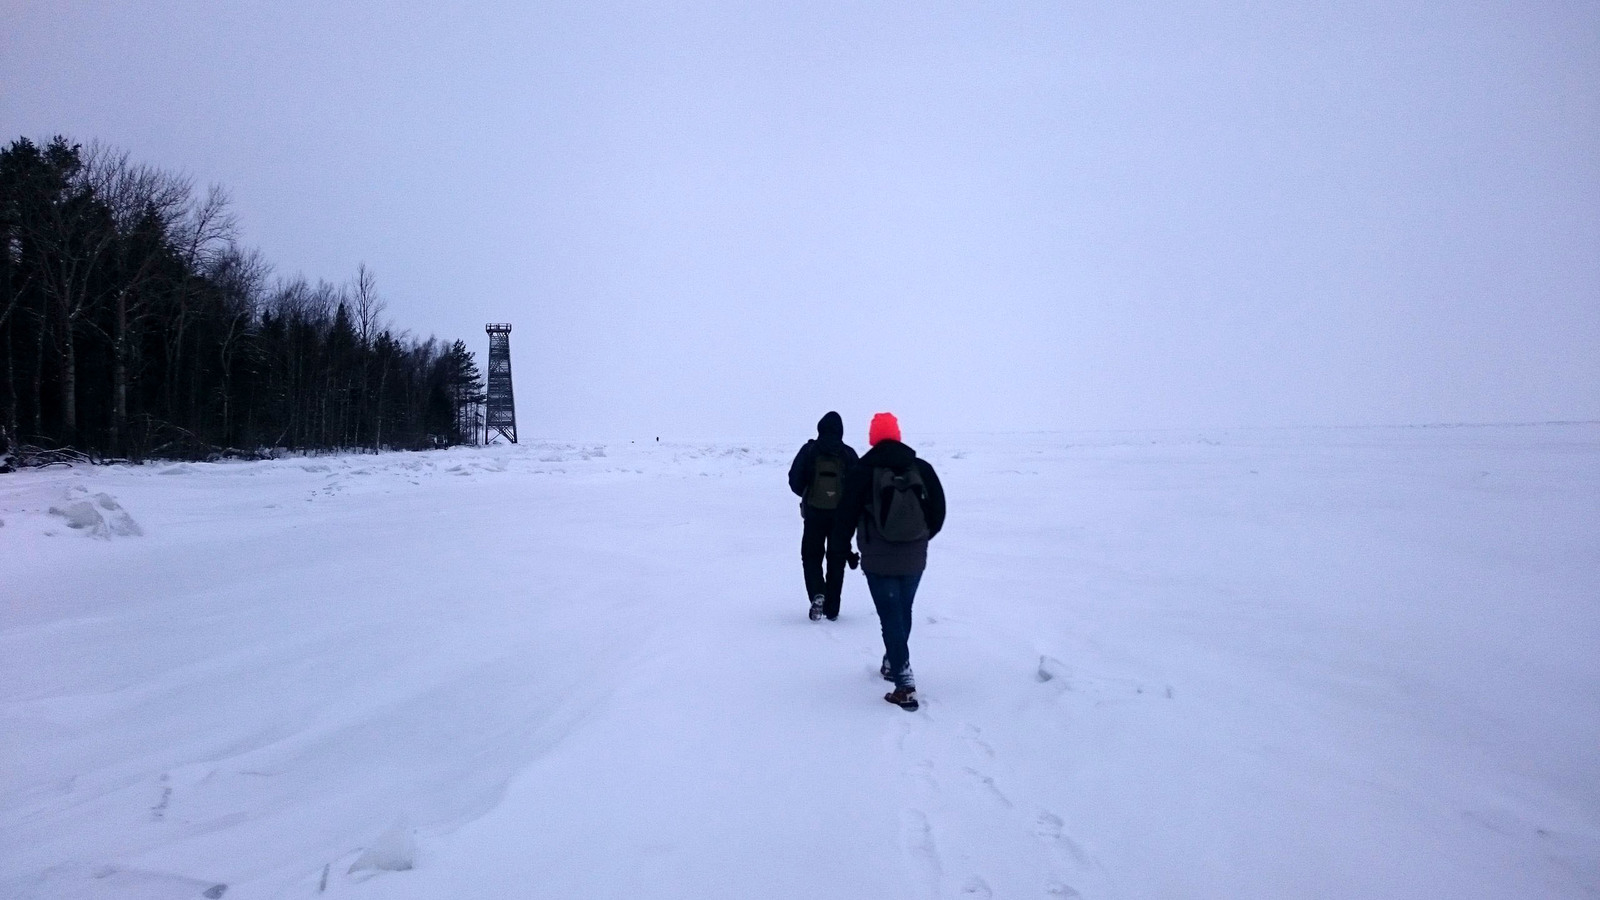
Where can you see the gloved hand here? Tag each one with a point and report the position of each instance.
(852, 559)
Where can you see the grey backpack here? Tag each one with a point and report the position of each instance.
(827, 473)
(896, 504)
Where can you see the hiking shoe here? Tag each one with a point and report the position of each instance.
(905, 698)
(884, 670)
(816, 607)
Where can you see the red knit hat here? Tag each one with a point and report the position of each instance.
(884, 425)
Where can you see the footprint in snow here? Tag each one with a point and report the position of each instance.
(989, 786)
(158, 812)
(903, 736)
(1052, 669)
(1049, 828)
(1055, 887)
(976, 887)
(970, 734)
(1048, 825)
(921, 855)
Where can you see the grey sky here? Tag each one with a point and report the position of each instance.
(712, 219)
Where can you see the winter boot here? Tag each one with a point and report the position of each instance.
(884, 670)
(816, 606)
(903, 697)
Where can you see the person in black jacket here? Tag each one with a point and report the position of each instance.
(893, 504)
(817, 476)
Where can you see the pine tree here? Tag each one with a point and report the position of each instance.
(466, 389)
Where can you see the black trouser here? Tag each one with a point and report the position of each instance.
(814, 550)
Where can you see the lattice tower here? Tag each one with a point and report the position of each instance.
(500, 412)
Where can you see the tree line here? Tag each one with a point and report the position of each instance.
(133, 324)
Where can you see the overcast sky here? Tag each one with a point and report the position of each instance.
(723, 219)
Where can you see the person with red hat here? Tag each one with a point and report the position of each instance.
(893, 504)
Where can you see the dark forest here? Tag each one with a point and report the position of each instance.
(134, 325)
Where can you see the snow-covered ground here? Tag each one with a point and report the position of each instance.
(1358, 663)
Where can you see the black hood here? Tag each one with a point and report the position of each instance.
(890, 454)
(830, 428)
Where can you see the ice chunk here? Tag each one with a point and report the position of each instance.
(79, 514)
(82, 514)
(117, 518)
(100, 516)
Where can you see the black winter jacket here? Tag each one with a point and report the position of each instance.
(829, 439)
(879, 556)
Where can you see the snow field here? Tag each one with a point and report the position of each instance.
(1357, 663)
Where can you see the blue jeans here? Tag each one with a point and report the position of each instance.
(892, 595)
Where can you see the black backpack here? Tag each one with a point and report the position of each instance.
(827, 476)
(896, 504)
